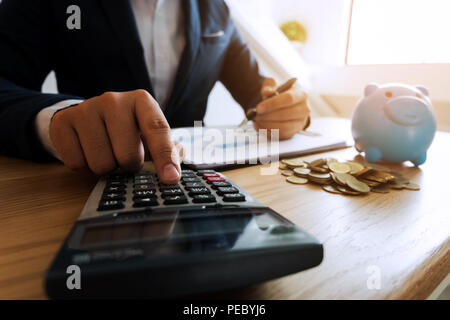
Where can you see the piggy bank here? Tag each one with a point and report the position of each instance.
(394, 122)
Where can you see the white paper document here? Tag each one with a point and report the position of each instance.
(219, 147)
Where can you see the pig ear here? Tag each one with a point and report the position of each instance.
(423, 89)
(370, 88)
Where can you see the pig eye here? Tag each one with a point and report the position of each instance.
(388, 94)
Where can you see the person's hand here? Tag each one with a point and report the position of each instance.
(288, 111)
(108, 131)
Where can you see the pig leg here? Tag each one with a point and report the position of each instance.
(420, 159)
(373, 154)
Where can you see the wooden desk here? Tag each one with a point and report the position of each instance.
(404, 233)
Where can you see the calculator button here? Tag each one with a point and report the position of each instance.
(145, 202)
(110, 205)
(186, 180)
(203, 198)
(143, 181)
(113, 196)
(224, 190)
(176, 200)
(215, 179)
(187, 172)
(201, 172)
(189, 175)
(197, 191)
(143, 187)
(220, 184)
(115, 190)
(144, 194)
(189, 185)
(208, 175)
(116, 184)
(171, 192)
(233, 197)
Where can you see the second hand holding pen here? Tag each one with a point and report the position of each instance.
(252, 113)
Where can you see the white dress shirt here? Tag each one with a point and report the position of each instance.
(161, 31)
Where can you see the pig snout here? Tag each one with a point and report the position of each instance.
(406, 110)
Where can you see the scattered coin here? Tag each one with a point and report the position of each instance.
(364, 171)
(355, 167)
(348, 178)
(330, 188)
(412, 186)
(348, 191)
(380, 189)
(324, 176)
(357, 185)
(319, 169)
(339, 167)
(294, 163)
(282, 166)
(296, 180)
(369, 182)
(302, 172)
(318, 163)
(287, 172)
(341, 178)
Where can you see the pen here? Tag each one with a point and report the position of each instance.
(251, 113)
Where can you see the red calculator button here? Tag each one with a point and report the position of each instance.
(215, 179)
(210, 175)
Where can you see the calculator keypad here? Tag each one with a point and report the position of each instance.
(144, 189)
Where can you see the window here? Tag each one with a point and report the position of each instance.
(399, 32)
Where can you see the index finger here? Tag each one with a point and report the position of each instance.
(156, 131)
(283, 100)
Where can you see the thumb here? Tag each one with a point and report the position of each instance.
(269, 87)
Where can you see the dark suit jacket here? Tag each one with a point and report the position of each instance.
(106, 55)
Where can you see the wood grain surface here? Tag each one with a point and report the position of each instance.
(403, 234)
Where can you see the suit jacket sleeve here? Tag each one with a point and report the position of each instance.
(25, 61)
(240, 73)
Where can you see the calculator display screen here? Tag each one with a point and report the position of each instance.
(177, 227)
(182, 230)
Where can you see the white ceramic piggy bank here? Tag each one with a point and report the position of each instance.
(394, 122)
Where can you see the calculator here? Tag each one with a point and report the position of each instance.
(140, 238)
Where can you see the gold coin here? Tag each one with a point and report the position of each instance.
(302, 172)
(294, 163)
(347, 191)
(296, 180)
(319, 169)
(320, 176)
(380, 189)
(318, 163)
(339, 167)
(397, 186)
(363, 171)
(330, 160)
(357, 185)
(322, 182)
(369, 182)
(342, 178)
(355, 167)
(331, 189)
(400, 180)
(335, 179)
(375, 178)
(282, 166)
(384, 175)
(287, 173)
(412, 186)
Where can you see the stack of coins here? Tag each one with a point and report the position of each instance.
(348, 178)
